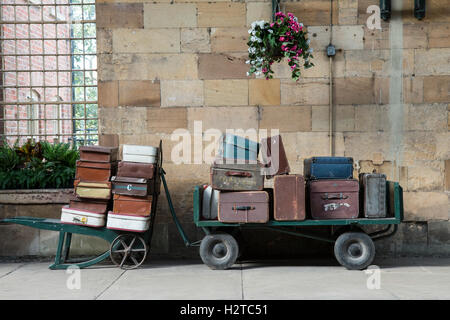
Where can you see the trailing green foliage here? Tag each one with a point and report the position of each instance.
(37, 165)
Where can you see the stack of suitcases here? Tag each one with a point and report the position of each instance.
(133, 188)
(334, 194)
(236, 193)
(112, 193)
(92, 186)
(326, 190)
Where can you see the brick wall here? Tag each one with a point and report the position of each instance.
(36, 62)
(163, 65)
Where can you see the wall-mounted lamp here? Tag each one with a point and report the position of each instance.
(385, 9)
(419, 9)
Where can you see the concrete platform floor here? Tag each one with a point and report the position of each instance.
(402, 278)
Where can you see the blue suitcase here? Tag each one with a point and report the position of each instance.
(328, 168)
(236, 147)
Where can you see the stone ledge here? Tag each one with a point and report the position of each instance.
(35, 196)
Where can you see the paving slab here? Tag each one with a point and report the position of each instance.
(36, 281)
(177, 280)
(190, 279)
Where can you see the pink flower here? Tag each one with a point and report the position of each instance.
(281, 38)
(272, 24)
(294, 48)
(264, 70)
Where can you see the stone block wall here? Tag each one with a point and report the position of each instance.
(165, 64)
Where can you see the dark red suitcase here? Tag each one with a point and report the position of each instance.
(334, 199)
(95, 171)
(274, 156)
(136, 170)
(98, 153)
(100, 206)
(244, 207)
(289, 197)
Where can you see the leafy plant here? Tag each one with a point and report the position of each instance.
(272, 42)
(37, 165)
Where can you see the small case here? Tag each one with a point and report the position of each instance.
(93, 190)
(136, 206)
(82, 217)
(98, 153)
(140, 154)
(95, 171)
(127, 222)
(136, 170)
(132, 186)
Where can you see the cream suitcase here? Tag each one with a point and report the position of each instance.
(127, 222)
(82, 217)
(143, 154)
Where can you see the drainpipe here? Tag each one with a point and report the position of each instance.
(331, 51)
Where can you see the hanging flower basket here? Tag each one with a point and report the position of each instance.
(271, 42)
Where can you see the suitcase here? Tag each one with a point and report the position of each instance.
(274, 156)
(236, 177)
(373, 194)
(141, 154)
(132, 186)
(236, 147)
(82, 217)
(136, 170)
(334, 199)
(127, 222)
(95, 171)
(210, 200)
(93, 190)
(289, 198)
(244, 207)
(328, 168)
(100, 206)
(98, 153)
(136, 206)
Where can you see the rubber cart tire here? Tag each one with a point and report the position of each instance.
(354, 250)
(219, 251)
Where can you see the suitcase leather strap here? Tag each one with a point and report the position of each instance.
(333, 196)
(244, 174)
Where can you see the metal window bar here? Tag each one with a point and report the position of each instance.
(30, 23)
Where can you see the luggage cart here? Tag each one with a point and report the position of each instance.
(353, 247)
(127, 250)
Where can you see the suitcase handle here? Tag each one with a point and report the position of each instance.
(244, 208)
(238, 174)
(334, 196)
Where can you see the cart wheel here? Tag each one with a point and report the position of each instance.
(354, 250)
(219, 251)
(128, 251)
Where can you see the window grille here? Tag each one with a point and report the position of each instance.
(48, 71)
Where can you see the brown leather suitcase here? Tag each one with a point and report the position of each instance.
(289, 197)
(92, 190)
(334, 199)
(236, 177)
(132, 186)
(95, 171)
(136, 170)
(100, 206)
(98, 153)
(129, 205)
(244, 207)
(274, 156)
